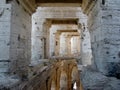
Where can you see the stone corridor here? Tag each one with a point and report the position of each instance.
(59, 44)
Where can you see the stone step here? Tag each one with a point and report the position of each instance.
(4, 65)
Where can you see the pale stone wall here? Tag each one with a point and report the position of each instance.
(5, 25)
(15, 43)
(104, 29)
(69, 45)
(63, 45)
(2, 2)
(75, 45)
(20, 39)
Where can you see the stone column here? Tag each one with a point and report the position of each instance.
(38, 36)
(69, 45)
(15, 38)
(57, 46)
(77, 42)
(74, 45)
(47, 37)
(52, 41)
(78, 46)
(63, 45)
(86, 54)
(20, 39)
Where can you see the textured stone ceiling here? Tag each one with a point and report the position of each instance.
(58, 1)
(67, 31)
(69, 21)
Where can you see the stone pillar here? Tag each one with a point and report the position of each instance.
(38, 36)
(104, 26)
(63, 45)
(78, 46)
(15, 38)
(86, 54)
(57, 46)
(47, 32)
(69, 45)
(20, 38)
(74, 46)
(52, 41)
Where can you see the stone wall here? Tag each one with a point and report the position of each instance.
(111, 31)
(75, 45)
(20, 39)
(63, 43)
(5, 25)
(104, 29)
(15, 34)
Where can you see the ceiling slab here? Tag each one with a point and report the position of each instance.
(64, 21)
(58, 1)
(59, 4)
(67, 31)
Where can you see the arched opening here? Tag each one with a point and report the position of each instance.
(53, 86)
(63, 81)
(75, 80)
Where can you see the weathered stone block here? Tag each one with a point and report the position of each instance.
(5, 12)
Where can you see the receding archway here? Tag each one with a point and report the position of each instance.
(75, 80)
(63, 81)
(53, 86)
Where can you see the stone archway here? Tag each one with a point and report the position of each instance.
(53, 86)
(63, 81)
(75, 81)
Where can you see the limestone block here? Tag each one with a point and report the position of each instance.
(4, 46)
(4, 69)
(2, 1)
(4, 28)
(70, 12)
(4, 66)
(94, 80)
(113, 84)
(5, 12)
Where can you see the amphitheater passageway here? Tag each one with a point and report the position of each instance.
(59, 44)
